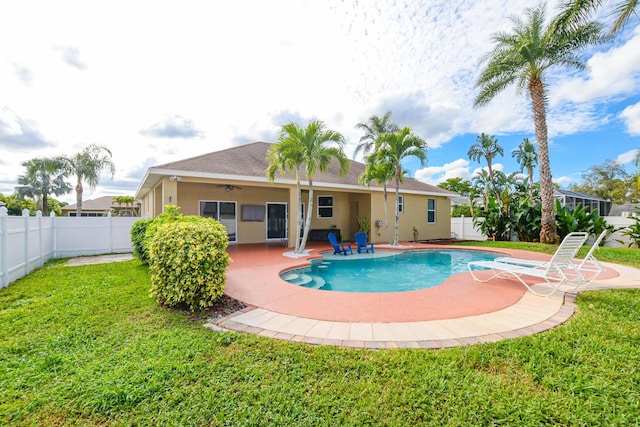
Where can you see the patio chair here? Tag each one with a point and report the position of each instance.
(560, 270)
(590, 267)
(339, 248)
(362, 243)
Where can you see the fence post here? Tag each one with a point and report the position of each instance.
(3, 248)
(25, 215)
(40, 251)
(53, 235)
(110, 232)
(462, 227)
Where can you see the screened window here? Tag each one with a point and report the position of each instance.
(400, 204)
(431, 211)
(325, 206)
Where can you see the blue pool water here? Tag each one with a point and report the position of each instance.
(397, 272)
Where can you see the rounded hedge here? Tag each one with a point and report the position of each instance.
(188, 262)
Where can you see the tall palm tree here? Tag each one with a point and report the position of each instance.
(482, 182)
(373, 129)
(286, 156)
(522, 57)
(87, 166)
(44, 176)
(307, 149)
(527, 157)
(486, 146)
(574, 12)
(381, 172)
(394, 148)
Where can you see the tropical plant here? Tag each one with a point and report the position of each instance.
(493, 221)
(575, 12)
(523, 57)
(486, 147)
(373, 129)
(380, 171)
(307, 149)
(633, 231)
(482, 184)
(127, 201)
(526, 218)
(43, 176)
(394, 148)
(87, 166)
(527, 157)
(363, 224)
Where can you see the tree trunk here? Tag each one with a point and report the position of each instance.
(530, 170)
(79, 197)
(45, 204)
(307, 224)
(395, 238)
(299, 218)
(386, 214)
(548, 232)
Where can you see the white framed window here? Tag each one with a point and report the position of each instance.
(225, 212)
(325, 206)
(400, 204)
(431, 211)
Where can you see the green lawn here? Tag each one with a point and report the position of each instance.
(87, 346)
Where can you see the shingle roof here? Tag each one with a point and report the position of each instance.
(249, 160)
(103, 203)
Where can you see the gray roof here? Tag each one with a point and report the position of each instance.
(249, 162)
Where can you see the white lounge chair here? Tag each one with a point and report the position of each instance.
(560, 270)
(589, 267)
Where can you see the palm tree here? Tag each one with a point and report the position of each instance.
(575, 12)
(394, 148)
(482, 182)
(306, 149)
(86, 166)
(286, 156)
(486, 146)
(527, 157)
(381, 172)
(522, 58)
(373, 129)
(43, 176)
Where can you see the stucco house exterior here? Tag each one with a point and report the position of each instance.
(231, 186)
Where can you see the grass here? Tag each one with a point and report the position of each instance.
(87, 346)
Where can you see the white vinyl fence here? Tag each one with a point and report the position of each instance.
(27, 242)
(462, 228)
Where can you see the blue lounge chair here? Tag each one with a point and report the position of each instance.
(362, 243)
(339, 248)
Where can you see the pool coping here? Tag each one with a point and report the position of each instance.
(530, 314)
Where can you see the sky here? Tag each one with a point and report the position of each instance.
(159, 81)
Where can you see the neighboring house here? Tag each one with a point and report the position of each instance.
(231, 186)
(100, 207)
(572, 200)
(625, 210)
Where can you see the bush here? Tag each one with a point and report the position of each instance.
(188, 261)
(143, 231)
(138, 231)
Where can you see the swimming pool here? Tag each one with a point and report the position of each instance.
(388, 271)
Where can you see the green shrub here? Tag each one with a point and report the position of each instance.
(137, 232)
(188, 261)
(147, 229)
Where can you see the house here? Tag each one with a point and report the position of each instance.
(231, 186)
(573, 200)
(100, 207)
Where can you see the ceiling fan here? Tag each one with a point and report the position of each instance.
(229, 187)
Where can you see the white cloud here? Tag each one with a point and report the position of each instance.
(612, 72)
(437, 174)
(564, 180)
(627, 157)
(631, 116)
